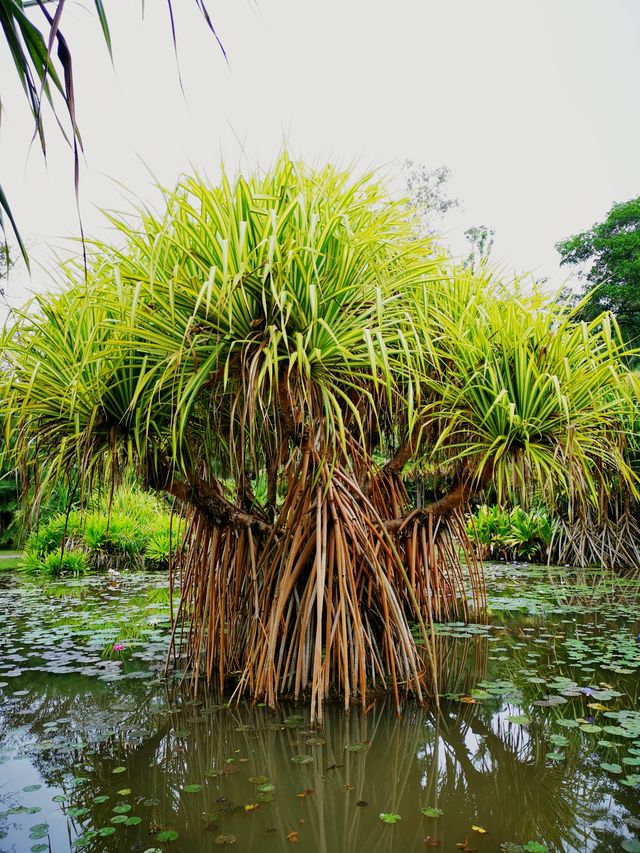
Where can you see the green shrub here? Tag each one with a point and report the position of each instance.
(112, 540)
(159, 545)
(49, 537)
(515, 534)
(71, 562)
(127, 530)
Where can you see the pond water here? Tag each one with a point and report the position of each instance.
(536, 745)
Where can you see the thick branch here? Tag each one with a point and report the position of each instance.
(207, 497)
(456, 498)
(394, 466)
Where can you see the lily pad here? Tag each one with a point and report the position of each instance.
(167, 835)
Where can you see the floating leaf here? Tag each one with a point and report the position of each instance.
(122, 808)
(389, 817)
(167, 835)
(302, 759)
(479, 829)
(77, 811)
(258, 780)
(191, 789)
(611, 768)
(119, 770)
(225, 839)
(555, 756)
(431, 811)
(106, 831)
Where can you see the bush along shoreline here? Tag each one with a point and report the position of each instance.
(513, 535)
(131, 531)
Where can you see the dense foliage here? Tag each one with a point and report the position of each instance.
(130, 529)
(515, 534)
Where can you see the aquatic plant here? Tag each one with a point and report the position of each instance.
(273, 352)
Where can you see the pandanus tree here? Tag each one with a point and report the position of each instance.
(274, 352)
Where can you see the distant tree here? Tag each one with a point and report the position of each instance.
(481, 239)
(6, 262)
(428, 193)
(608, 261)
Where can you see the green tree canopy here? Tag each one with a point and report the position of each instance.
(609, 257)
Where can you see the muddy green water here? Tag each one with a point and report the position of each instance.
(536, 746)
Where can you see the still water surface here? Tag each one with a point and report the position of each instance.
(536, 746)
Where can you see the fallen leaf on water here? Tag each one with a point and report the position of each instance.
(598, 706)
(293, 836)
(432, 842)
(308, 792)
(478, 829)
(250, 807)
(225, 839)
(348, 787)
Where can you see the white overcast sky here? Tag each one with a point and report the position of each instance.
(533, 104)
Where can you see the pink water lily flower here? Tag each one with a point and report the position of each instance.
(118, 647)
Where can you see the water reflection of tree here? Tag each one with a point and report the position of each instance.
(467, 760)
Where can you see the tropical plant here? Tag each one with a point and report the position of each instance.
(127, 529)
(72, 561)
(254, 350)
(515, 534)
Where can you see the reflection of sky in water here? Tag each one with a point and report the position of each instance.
(84, 715)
